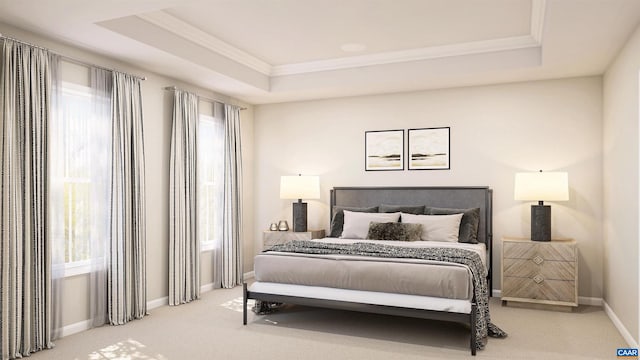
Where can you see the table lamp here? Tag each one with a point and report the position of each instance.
(541, 187)
(299, 187)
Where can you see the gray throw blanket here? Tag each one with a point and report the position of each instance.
(472, 260)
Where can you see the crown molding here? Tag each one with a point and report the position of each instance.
(197, 36)
(427, 53)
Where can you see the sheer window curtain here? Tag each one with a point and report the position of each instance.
(184, 245)
(211, 145)
(126, 253)
(26, 308)
(232, 203)
(101, 174)
(80, 183)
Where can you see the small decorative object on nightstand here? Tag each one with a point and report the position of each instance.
(283, 225)
(540, 272)
(270, 238)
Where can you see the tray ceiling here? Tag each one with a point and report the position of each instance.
(263, 51)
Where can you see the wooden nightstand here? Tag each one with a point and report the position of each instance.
(270, 238)
(540, 272)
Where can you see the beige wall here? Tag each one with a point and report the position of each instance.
(157, 112)
(621, 182)
(496, 131)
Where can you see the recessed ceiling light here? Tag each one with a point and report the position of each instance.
(353, 47)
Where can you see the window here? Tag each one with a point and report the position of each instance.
(79, 166)
(210, 168)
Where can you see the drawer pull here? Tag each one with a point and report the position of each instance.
(538, 279)
(538, 260)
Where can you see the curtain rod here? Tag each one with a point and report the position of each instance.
(173, 88)
(67, 58)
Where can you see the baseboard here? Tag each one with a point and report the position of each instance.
(76, 328)
(248, 275)
(582, 300)
(206, 287)
(620, 326)
(157, 303)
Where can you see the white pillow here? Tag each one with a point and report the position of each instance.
(356, 224)
(436, 227)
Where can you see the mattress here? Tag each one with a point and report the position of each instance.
(381, 275)
(364, 297)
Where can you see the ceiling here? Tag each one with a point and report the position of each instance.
(265, 51)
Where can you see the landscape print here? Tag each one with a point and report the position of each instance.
(429, 149)
(384, 150)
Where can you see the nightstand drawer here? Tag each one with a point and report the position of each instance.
(541, 273)
(546, 251)
(545, 289)
(549, 269)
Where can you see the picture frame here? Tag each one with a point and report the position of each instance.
(429, 149)
(384, 150)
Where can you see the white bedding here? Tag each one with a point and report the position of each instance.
(364, 297)
(408, 276)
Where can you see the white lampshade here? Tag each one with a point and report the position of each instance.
(299, 187)
(542, 186)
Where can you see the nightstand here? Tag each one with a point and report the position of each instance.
(270, 238)
(540, 272)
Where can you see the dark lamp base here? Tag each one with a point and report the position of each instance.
(540, 222)
(299, 217)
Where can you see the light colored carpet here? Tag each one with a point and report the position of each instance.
(211, 328)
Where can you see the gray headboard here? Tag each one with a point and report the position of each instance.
(444, 197)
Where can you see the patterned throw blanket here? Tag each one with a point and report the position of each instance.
(472, 260)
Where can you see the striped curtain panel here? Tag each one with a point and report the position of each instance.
(232, 200)
(184, 247)
(25, 249)
(126, 274)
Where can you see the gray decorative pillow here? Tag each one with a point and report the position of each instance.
(394, 231)
(407, 209)
(468, 225)
(337, 223)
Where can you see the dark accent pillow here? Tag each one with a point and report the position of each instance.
(468, 225)
(407, 209)
(394, 231)
(338, 217)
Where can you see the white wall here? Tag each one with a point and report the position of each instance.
(496, 131)
(621, 182)
(157, 112)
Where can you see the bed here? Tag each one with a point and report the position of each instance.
(422, 279)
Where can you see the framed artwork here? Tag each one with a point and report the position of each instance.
(429, 149)
(384, 150)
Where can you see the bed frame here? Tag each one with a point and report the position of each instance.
(443, 197)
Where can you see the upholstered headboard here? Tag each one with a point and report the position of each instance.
(442, 197)
(463, 197)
